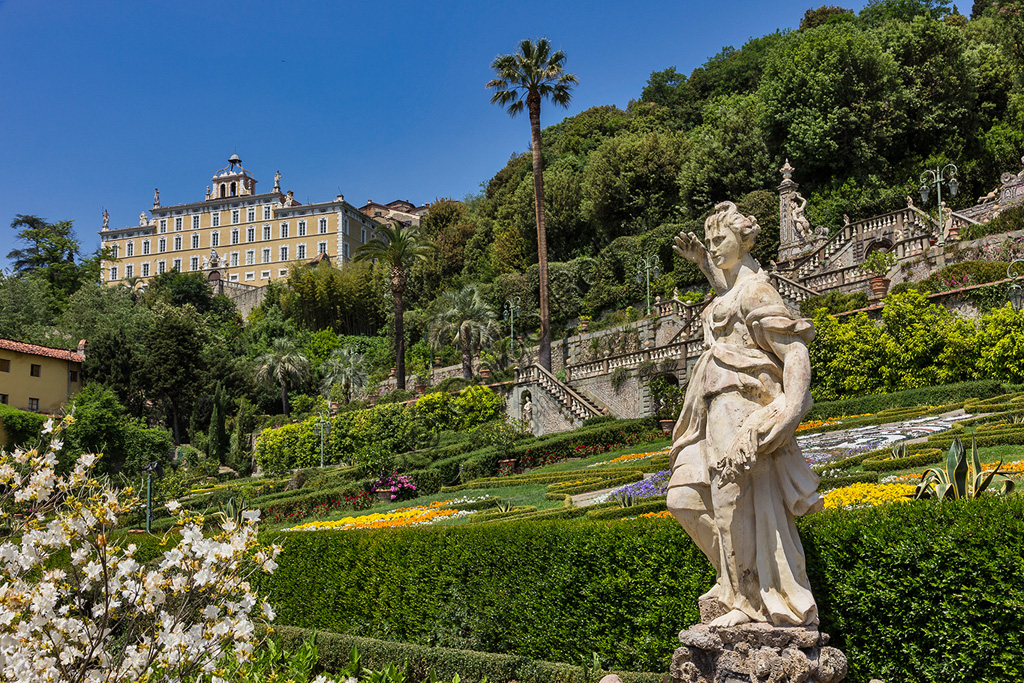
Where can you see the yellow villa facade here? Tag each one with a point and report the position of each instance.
(39, 378)
(234, 234)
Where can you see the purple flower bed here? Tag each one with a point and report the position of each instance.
(656, 485)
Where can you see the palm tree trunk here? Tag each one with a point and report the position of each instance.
(467, 354)
(399, 340)
(544, 346)
(284, 397)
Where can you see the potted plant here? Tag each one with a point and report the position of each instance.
(584, 322)
(668, 401)
(878, 264)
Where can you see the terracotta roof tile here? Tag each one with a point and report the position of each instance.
(36, 350)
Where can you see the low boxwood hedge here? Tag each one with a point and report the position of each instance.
(918, 590)
(417, 661)
(925, 457)
(640, 508)
(829, 483)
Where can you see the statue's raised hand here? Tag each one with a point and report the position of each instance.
(689, 246)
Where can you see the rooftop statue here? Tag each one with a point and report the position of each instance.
(738, 479)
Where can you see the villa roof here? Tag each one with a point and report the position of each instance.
(36, 350)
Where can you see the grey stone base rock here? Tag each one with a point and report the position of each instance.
(758, 653)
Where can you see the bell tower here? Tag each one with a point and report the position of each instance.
(233, 181)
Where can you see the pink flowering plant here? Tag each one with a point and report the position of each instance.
(400, 486)
(103, 615)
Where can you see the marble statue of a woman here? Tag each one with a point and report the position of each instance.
(738, 478)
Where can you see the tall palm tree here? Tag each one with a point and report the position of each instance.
(398, 246)
(283, 363)
(532, 74)
(345, 366)
(464, 316)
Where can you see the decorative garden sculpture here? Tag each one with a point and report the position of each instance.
(738, 479)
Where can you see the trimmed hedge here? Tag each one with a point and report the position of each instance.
(570, 489)
(471, 666)
(654, 505)
(927, 396)
(920, 590)
(925, 457)
(829, 483)
(21, 426)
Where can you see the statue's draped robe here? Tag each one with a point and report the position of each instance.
(745, 522)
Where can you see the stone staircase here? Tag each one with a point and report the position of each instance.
(572, 402)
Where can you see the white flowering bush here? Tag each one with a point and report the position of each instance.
(75, 604)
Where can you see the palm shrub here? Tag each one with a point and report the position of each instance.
(284, 363)
(465, 318)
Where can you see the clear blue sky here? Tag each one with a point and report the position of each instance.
(100, 102)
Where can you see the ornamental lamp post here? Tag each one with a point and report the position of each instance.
(1015, 294)
(513, 307)
(322, 426)
(646, 267)
(149, 469)
(935, 177)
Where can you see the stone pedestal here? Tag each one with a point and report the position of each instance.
(755, 653)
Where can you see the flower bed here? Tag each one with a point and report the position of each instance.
(413, 516)
(630, 457)
(867, 495)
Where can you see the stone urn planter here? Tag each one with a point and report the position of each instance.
(384, 495)
(667, 425)
(485, 374)
(879, 287)
(421, 389)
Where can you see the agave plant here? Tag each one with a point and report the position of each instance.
(505, 505)
(960, 478)
(233, 509)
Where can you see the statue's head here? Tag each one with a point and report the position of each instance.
(730, 234)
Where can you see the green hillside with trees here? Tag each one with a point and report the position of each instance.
(859, 103)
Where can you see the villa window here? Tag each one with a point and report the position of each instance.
(302, 228)
(145, 247)
(215, 239)
(284, 230)
(235, 215)
(163, 225)
(129, 270)
(145, 269)
(284, 253)
(177, 223)
(215, 219)
(266, 213)
(195, 241)
(177, 243)
(113, 272)
(195, 222)
(266, 256)
(250, 235)
(250, 215)
(302, 251)
(266, 232)
(162, 245)
(193, 263)
(130, 248)
(323, 226)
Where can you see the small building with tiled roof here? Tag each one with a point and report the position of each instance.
(39, 378)
(401, 210)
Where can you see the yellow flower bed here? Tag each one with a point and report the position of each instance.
(630, 457)
(812, 424)
(865, 494)
(421, 514)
